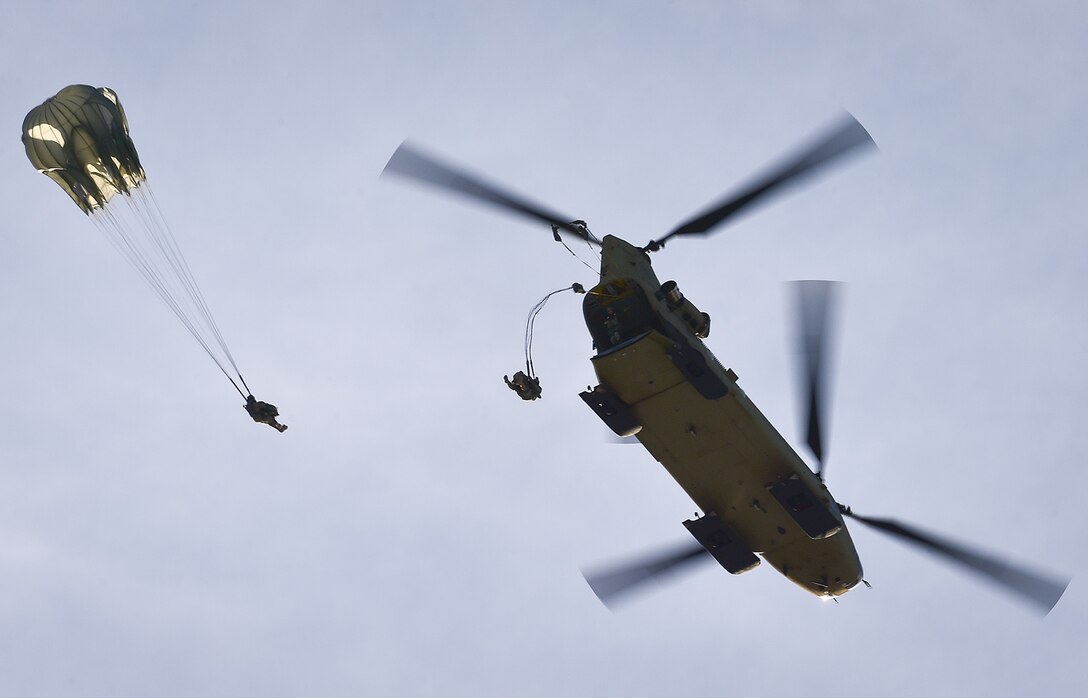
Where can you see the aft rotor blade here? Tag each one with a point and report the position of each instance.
(1041, 590)
(816, 301)
(846, 136)
(612, 584)
(407, 161)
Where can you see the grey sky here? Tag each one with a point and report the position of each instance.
(418, 531)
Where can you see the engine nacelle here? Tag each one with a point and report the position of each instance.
(698, 321)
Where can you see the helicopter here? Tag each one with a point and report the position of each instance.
(659, 383)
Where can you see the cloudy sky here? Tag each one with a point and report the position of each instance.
(419, 531)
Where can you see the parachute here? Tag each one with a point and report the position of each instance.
(79, 138)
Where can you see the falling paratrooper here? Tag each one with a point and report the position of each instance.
(79, 138)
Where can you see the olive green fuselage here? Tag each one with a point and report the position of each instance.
(699, 424)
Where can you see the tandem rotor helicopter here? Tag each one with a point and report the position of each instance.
(660, 383)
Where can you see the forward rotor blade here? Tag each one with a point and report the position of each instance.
(410, 162)
(816, 302)
(1043, 591)
(611, 584)
(847, 136)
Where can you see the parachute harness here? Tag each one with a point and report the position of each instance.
(527, 384)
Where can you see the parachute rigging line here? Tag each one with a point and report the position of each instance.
(79, 138)
(559, 238)
(531, 321)
(140, 233)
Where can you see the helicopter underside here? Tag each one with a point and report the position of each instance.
(660, 381)
(731, 462)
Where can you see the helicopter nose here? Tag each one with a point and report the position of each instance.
(830, 588)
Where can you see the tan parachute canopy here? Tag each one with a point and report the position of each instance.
(79, 138)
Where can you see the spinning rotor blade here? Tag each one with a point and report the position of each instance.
(610, 585)
(815, 309)
(845, 137)
(1030, 586)
(409, 162)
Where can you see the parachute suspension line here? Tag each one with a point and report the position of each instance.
(129, 234)
(108, 224)
(531, 321)
(181, 266)
(167, 245)
(559, 239)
